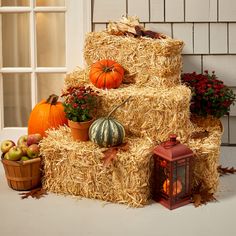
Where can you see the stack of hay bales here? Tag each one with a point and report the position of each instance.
(159, 106)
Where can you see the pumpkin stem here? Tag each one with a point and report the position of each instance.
(52, 99)
(107, 69)
(115, 108)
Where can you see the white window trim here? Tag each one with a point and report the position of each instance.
(76, 11)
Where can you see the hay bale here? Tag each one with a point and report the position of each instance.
(153, 113)
(154, 62)
(77, 168)
(150, 112)
(207, 152)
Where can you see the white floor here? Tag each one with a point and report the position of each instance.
(59, 215)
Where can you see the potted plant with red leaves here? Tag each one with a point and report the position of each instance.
(80, 105)
(210, 96)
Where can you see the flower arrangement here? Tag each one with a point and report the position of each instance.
(80, 103)
(209, 95)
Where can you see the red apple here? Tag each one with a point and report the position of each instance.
(34, 139)
(22, 140)
(15, 153)
(7, 145)
(33, 151)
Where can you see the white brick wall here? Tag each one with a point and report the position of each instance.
(208, 28)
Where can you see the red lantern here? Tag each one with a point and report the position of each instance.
(173, 170)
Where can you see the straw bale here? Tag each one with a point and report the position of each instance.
(150, 112)
(76, 168)
(144, 58)
(207, 152)
(81, 76)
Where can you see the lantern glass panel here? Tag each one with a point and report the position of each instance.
(164, 177)
(179, 179)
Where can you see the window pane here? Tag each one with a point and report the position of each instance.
(15, 3)
(49, 84)
(16, 99)
(15, 40)
(50, 3)
(50, 39)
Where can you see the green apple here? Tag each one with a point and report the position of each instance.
(22, 140)
(34, 139)
(24, 158)
(24, 148)
(6, 156)
(33, 151)
(6, 145)
(15, 153)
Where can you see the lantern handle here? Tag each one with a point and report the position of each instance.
(172, 142)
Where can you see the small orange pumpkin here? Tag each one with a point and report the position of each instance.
(106, 74)
(177, 187)
(46, 114)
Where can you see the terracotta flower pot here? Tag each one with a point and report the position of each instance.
(79, 130)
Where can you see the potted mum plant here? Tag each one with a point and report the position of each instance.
(210, 96)
(80, 105)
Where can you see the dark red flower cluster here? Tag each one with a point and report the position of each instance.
(80, 103)
(209, 95)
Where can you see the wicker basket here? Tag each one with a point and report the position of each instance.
(23, 175)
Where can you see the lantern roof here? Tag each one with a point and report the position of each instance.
(172, 149)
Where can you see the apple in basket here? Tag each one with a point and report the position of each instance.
(6, 145)
(34, 139)
(24, 158)
(22, 140)
(33, 151)
(15, 153)
(6, 156)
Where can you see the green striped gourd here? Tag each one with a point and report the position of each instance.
(107, 131)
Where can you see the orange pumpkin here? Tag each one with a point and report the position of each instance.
(46, 114)
(177, 187)
(106, 74)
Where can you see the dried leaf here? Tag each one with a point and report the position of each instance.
(200, 135)
(111, 153)
(202, 196)
(138, 30)
(109, 156)
(124, 147)
(197, 200)
(129, 79)
(226, 170)
(34, 193)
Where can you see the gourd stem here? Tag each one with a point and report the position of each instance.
(115, 108)
(52, 99)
